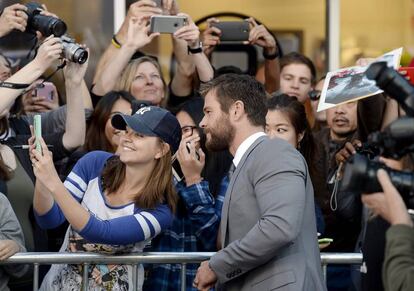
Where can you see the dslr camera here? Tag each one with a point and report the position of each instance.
(47, 25)
(72, 51)
(395, 141)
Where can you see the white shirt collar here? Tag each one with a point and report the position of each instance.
(244, 146)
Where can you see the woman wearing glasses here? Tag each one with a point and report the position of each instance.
(201, 194)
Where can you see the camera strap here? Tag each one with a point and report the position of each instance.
(335, 180)
(15, 86)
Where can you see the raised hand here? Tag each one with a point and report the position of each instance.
(49, 51)
(189, 162)
(137, 36)
(211, 36)
(190, 33)
(42, 163)
(75, 72)
(13, 17)
(260, 36)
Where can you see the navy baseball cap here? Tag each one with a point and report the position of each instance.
(152, 121)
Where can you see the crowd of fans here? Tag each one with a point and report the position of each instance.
(124, 166)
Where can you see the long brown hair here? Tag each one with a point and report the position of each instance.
(95, 134)
(158, 189)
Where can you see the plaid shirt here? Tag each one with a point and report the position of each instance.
(194, 229)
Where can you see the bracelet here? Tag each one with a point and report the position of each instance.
(115, 42)
(271, 57)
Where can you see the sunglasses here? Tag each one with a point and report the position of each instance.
(314, 95)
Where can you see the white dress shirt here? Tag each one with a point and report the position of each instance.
(244, 146)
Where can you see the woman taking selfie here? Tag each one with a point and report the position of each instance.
(106, 192)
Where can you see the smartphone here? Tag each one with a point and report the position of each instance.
(188, 145)
(46, 89)
(409, 73)
(37, 124)
(176, 169)
(233, 30)
(166, 24)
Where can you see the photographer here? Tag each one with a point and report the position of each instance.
(398, 268)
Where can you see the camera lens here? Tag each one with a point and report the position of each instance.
(57, 27)
(80, 56)
(48, 25)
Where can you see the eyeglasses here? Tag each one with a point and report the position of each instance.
(314, 95)
(189, 129)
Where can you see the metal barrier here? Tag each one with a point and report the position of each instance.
(86, 259)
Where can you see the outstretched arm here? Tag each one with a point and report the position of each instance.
(137, 38)
(48, 52)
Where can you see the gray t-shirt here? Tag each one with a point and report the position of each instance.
(10, 230)
(55, 120)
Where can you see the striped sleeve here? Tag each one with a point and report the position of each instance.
(128, 229)
(86, 169)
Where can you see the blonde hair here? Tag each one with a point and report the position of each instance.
(125, 80)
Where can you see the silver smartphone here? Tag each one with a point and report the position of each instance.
(166, 23)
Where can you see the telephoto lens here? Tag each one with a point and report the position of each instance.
(72, 51)
(46, 25)
(395, 85)
(360, 176)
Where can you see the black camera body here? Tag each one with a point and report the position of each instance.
(360, 176)
(47, 25)
(395, 141)
(72, 51)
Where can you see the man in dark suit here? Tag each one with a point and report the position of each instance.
(268, 228)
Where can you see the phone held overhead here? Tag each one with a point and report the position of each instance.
(167, 24)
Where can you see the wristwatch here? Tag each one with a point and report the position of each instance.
(271, 57)
(197, 50)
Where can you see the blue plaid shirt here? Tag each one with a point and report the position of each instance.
(194, 229)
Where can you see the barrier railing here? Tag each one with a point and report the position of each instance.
(134, 260)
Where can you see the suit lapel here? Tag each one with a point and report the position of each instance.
(227, 198)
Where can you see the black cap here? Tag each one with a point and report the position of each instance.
(152, 121)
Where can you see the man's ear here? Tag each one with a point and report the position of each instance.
(164, 149)
(237, 110)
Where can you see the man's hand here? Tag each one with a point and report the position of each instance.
(347, 151)
(13, 17)
(205, 278)
(388, 204)
(8, 248)
(260, 36)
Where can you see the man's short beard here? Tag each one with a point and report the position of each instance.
(220, 137)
